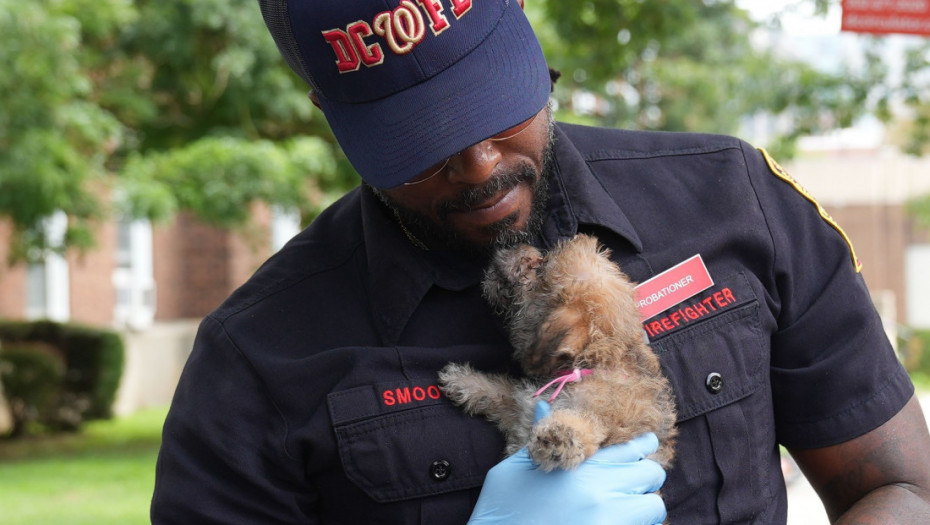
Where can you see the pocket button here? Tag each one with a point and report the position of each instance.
(440, 469)
(714, 383)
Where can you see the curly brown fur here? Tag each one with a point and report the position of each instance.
(570, 308)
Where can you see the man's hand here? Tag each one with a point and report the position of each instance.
(616, 485)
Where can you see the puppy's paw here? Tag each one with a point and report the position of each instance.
(457, 382)
(559, 444)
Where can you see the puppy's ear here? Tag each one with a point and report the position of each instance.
(497, 289)
(559, 342)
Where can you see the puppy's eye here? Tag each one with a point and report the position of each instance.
(540, 269)
(563, 359)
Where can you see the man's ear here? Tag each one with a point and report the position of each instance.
(313, 98)
(521, 3)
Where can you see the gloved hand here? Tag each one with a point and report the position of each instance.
(616, 485)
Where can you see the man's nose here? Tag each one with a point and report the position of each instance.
(475, 164)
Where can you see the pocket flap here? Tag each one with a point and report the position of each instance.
(716, 362)
(425, 450)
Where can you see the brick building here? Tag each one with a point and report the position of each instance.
(151, 283)
(138, 274)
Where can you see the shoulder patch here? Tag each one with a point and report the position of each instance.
(780, 172)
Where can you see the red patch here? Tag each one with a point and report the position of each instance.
(691, 312)
(407, 395)
(673, 286)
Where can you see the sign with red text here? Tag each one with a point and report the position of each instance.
(679, 283)
(910, 17)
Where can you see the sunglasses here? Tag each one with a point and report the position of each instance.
(437, 168)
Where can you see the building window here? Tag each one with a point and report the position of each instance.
(917, 283)
(134, 279)
(48, 289)
(284, 226)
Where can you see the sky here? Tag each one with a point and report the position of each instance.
(798, 18)
(805, 35)
(817, 39)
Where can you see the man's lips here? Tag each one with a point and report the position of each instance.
(492, 210)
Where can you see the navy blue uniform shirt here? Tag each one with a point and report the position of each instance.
(311, 397)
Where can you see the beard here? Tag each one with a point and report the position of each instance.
(441, 236)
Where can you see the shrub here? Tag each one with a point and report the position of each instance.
(31, 375)
(93, 365)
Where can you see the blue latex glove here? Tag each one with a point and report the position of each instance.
(614, 486)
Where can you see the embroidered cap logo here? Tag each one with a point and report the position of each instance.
(402, 29)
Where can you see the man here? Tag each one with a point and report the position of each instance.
(311, 396)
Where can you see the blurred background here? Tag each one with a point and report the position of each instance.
(154, 153)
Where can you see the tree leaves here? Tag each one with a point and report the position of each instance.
(174, 105)
(219, 178)
(694, 66)
(170, 105)
(54, 141)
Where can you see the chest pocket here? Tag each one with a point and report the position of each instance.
(718, 368)
(431, 449)
(404, 445)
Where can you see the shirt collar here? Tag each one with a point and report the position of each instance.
(400, 274)
(577, 197)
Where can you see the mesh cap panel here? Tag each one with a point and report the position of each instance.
(276, 19)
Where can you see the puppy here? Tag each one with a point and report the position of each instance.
(576, 333)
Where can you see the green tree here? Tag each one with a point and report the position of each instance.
(54, 139)
(683, 65)
(158, 106)
(223, 122)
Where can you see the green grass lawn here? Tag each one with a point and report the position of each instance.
(102, 475)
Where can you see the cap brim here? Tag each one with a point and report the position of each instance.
(502, 82)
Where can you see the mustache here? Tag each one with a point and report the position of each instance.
(472, 197)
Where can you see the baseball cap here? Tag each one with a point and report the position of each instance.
(405, 84)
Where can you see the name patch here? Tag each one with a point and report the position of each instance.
(367, 401)
(690, 313)
(407, 395)
(673, 286)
